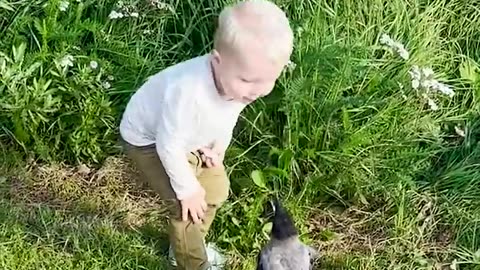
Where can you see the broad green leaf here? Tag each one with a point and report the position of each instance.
(470, 71)
(267, 228)
(258, 178)
(19, 52)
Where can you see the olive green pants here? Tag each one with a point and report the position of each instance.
(186, 237)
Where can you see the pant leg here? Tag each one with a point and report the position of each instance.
(186, 238)
(146, 160)
(217, 185)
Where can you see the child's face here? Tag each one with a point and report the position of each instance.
(247, 75)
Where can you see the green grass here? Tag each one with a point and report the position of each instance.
(374, 178)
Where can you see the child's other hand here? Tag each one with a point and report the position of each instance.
(211, 156)
(195, 205)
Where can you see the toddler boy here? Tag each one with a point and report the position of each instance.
(177, 126)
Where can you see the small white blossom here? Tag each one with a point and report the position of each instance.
(427, 72)
(459, 131)
(394, 45)
(415, 83)
(110, 78)
(162, 5)
(290, 66)
(404, 53)
(147, 32)
(445, 89)
(134, 14)
(415, 73)
(106, 85)
(432, 104)
(424, 78)
(115, 15)
(67, 60)
(64, 5)
(427, 84)
(386, 40)
(93, 64)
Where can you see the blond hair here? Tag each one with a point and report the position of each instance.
(255, 21)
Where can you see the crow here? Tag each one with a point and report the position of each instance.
(285, 251)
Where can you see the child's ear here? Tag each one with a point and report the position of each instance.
(216, 56)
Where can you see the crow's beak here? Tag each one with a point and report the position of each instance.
(269, 210)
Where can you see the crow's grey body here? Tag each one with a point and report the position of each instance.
(284, 251)
(285, 255)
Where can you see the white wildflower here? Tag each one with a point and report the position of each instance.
(110, 78)
(115, 15)
(415, 83)
(93, 64)
(394, 45)
(64, 5)
(386, 40)
(427, 72)
(106, 85)
(134, 14)
(432, 104)
(427, 84)
(424, 78)
(162, 5)
(403, 52)
(415, 73)
(459, 131)
(290, 66)
(67, 60)
(147, 32)
(445, 89)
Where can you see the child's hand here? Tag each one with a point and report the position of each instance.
(194, 205)
(211, 156)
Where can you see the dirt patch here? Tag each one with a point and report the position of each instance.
(350, 231)
(362, 233)
(113, 189)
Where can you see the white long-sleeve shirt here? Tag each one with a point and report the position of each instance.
(180, 111)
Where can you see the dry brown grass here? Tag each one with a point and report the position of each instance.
(112, 189)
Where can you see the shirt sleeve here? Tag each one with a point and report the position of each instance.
(175, 122)
(224, 142)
